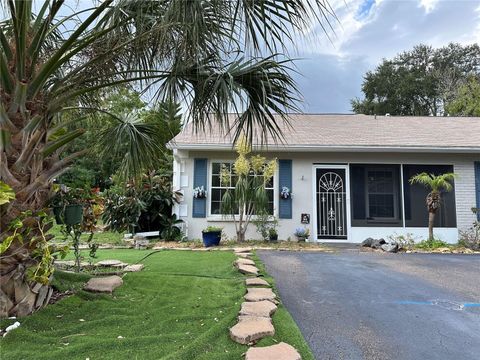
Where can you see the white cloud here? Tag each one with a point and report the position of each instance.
(428, 5)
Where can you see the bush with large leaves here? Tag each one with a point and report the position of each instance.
(57, 60)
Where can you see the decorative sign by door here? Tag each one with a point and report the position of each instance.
(331, 204)
(305, 218)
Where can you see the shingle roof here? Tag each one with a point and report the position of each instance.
(311, 131)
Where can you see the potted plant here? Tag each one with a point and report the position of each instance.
(67, 204)
(272, 234)
(199, 192)
(285, 193)
(211, 236)
(302, 234)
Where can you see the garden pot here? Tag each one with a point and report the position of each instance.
(211, 238)
(273, 237)
(70, 215)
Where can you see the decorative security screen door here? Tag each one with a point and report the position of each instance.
(331, 204)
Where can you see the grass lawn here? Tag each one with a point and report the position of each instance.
(179, 307)
(106, 237)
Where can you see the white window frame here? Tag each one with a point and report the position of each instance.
(395, 194)
(220, 217)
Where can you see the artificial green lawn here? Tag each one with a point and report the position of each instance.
(179, 307)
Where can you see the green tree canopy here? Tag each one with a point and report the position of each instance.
(421, 81)
(467, 99)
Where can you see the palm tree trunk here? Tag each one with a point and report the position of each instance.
(431, 221)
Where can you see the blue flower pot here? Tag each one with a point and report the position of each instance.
(211, 238)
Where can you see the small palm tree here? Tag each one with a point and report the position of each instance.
(436, 184)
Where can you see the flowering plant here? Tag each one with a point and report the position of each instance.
(302, 233)
(199, 192)
(285, 193)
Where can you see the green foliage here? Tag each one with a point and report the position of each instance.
(471, 237)
(6, 194)
(142, 205)
(435, 183)
(467, 99)
(212, 228)
(266, 225)
(422, 81)
(171, 232)
(431, 244)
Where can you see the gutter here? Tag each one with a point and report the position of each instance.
(331, 148)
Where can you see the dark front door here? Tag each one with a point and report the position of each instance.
(331, 204)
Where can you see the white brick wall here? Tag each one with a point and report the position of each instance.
(465, 193)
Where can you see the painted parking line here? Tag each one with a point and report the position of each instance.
(446, 304)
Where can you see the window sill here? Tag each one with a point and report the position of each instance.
(220, 218)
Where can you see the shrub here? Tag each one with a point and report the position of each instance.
(406, 242)
(471, 237)
(431, 244)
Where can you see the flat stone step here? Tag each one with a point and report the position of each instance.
(281, 351)
(259, 294)
(263, 308)
(242, 250)
(109, 263)
(134, 268)
(244, 255)
(251, 329)
(256, 282)
(243, 261)
(103, 284)
(248, 269)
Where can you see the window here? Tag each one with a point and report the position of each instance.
(382, 198)
(218, 189)
(416, 214)
(375, 195)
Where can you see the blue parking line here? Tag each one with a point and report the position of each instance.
(471, 305)
(409, 302)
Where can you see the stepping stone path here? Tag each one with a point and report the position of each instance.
(103, 284)
(254, 318)
(256, 282)
(259, 294)
(110, 263)
(243, 261)
(133, 268)
(281, 351)
(248, 269)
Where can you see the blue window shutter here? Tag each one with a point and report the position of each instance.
(285, 179)
(199, 208)
(477, 186)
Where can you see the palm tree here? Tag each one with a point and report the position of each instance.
(436, 184)
(57, 63)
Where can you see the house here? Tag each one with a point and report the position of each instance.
(348, 175)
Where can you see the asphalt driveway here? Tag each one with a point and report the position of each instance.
(353, 305)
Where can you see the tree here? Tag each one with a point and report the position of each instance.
(207, 54)
(436, 184)
(466, 101)
(418, 82)
(248, 196)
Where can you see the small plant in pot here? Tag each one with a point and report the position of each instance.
(302, 234)
(272, 234)
(67, 204)
(211, 236)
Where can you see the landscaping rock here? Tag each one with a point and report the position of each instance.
(103, 284)
(120, 266)
(244, 255)
(134, 268)
(367, 242)
(256, 282)
(64, 263)
(243, 250)
(243, 261)
(443, 250)
(251, 329)
(259, 294)
(248, 269)
(281, 351)
(109, 263)
(377, 243)
(390, 247)
(263, 308)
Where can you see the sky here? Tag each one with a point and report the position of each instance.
(369, 30)
(331, 70)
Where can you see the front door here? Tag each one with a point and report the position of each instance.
(331, 203)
